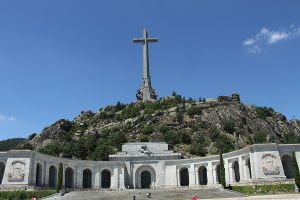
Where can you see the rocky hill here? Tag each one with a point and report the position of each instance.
(192, 127)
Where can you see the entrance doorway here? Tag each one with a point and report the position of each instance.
(105, 179)
(145, 179)
(202, 175)
(87, 179)
(2, 168)
(184, 177)
(69, 178)
(52, 176)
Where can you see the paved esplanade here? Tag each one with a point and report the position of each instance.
(146, 92)
(156, 194)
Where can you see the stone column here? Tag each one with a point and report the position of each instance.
(116, 178)
(77, 177)
(97, 178)
(46, 174)
(228, 170)
(122, 178)
(210, 175)
(230, 173)
(197, 182)
(214, 174)
(253, 166)
(192, 175)
(178, 177)
(241, 169)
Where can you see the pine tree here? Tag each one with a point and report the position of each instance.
(60, 177)
(296, 169)
(222, 171)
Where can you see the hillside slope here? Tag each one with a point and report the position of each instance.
(194, 128)
(6, 145)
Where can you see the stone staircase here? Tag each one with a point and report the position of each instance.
(156, 194)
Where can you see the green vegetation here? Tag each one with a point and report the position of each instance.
(264, 112)
(103, 151)
(222, 172)
(291, 138)
(60, 177)
(265, 189)
(224, 144)
(229, 126)
(18, 195)
(189, 127)
(193, 110)
(296, 169)
(10, 144)
(260, 138)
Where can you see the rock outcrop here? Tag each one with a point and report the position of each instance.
(188, 126)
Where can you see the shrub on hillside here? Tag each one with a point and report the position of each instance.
(198, 149)
(193, 110)
(264, 112)
(260, 138)
(224, 144)
(229, 126)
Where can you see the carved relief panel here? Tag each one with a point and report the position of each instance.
(270, 165)
(17, 171)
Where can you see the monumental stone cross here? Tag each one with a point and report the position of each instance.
(146, 92)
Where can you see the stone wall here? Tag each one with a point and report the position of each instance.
(253, 164)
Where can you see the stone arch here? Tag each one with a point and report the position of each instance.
(2, 169)
(105, 178)
(184, 177)
(69, 177)
(142, 175)
(87, 178)
(38, 174)
(287, 163)
(248, 171)
(236, 171)
(52, 176)
(202, 175)
(218, 174)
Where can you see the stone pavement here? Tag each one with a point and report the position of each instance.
(157, 194)
(163, 194)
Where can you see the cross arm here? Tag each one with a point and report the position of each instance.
(152, 39)
(138, 40)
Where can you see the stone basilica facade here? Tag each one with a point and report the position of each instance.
(149, 165)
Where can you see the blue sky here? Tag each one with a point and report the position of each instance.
(59, 57)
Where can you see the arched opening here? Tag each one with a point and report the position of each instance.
(2, 168)
(236, 170)
(287, 163)
(249, 174)
(202, 175)
(105, 178)
(38, 175)
(52, 176)
(218, 174)
(184, 177)
(145, 179)
(87, 178)
(69, 178)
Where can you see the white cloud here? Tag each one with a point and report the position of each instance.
(266, 37)
(249, 41)
(4, 118)
(11, 118)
